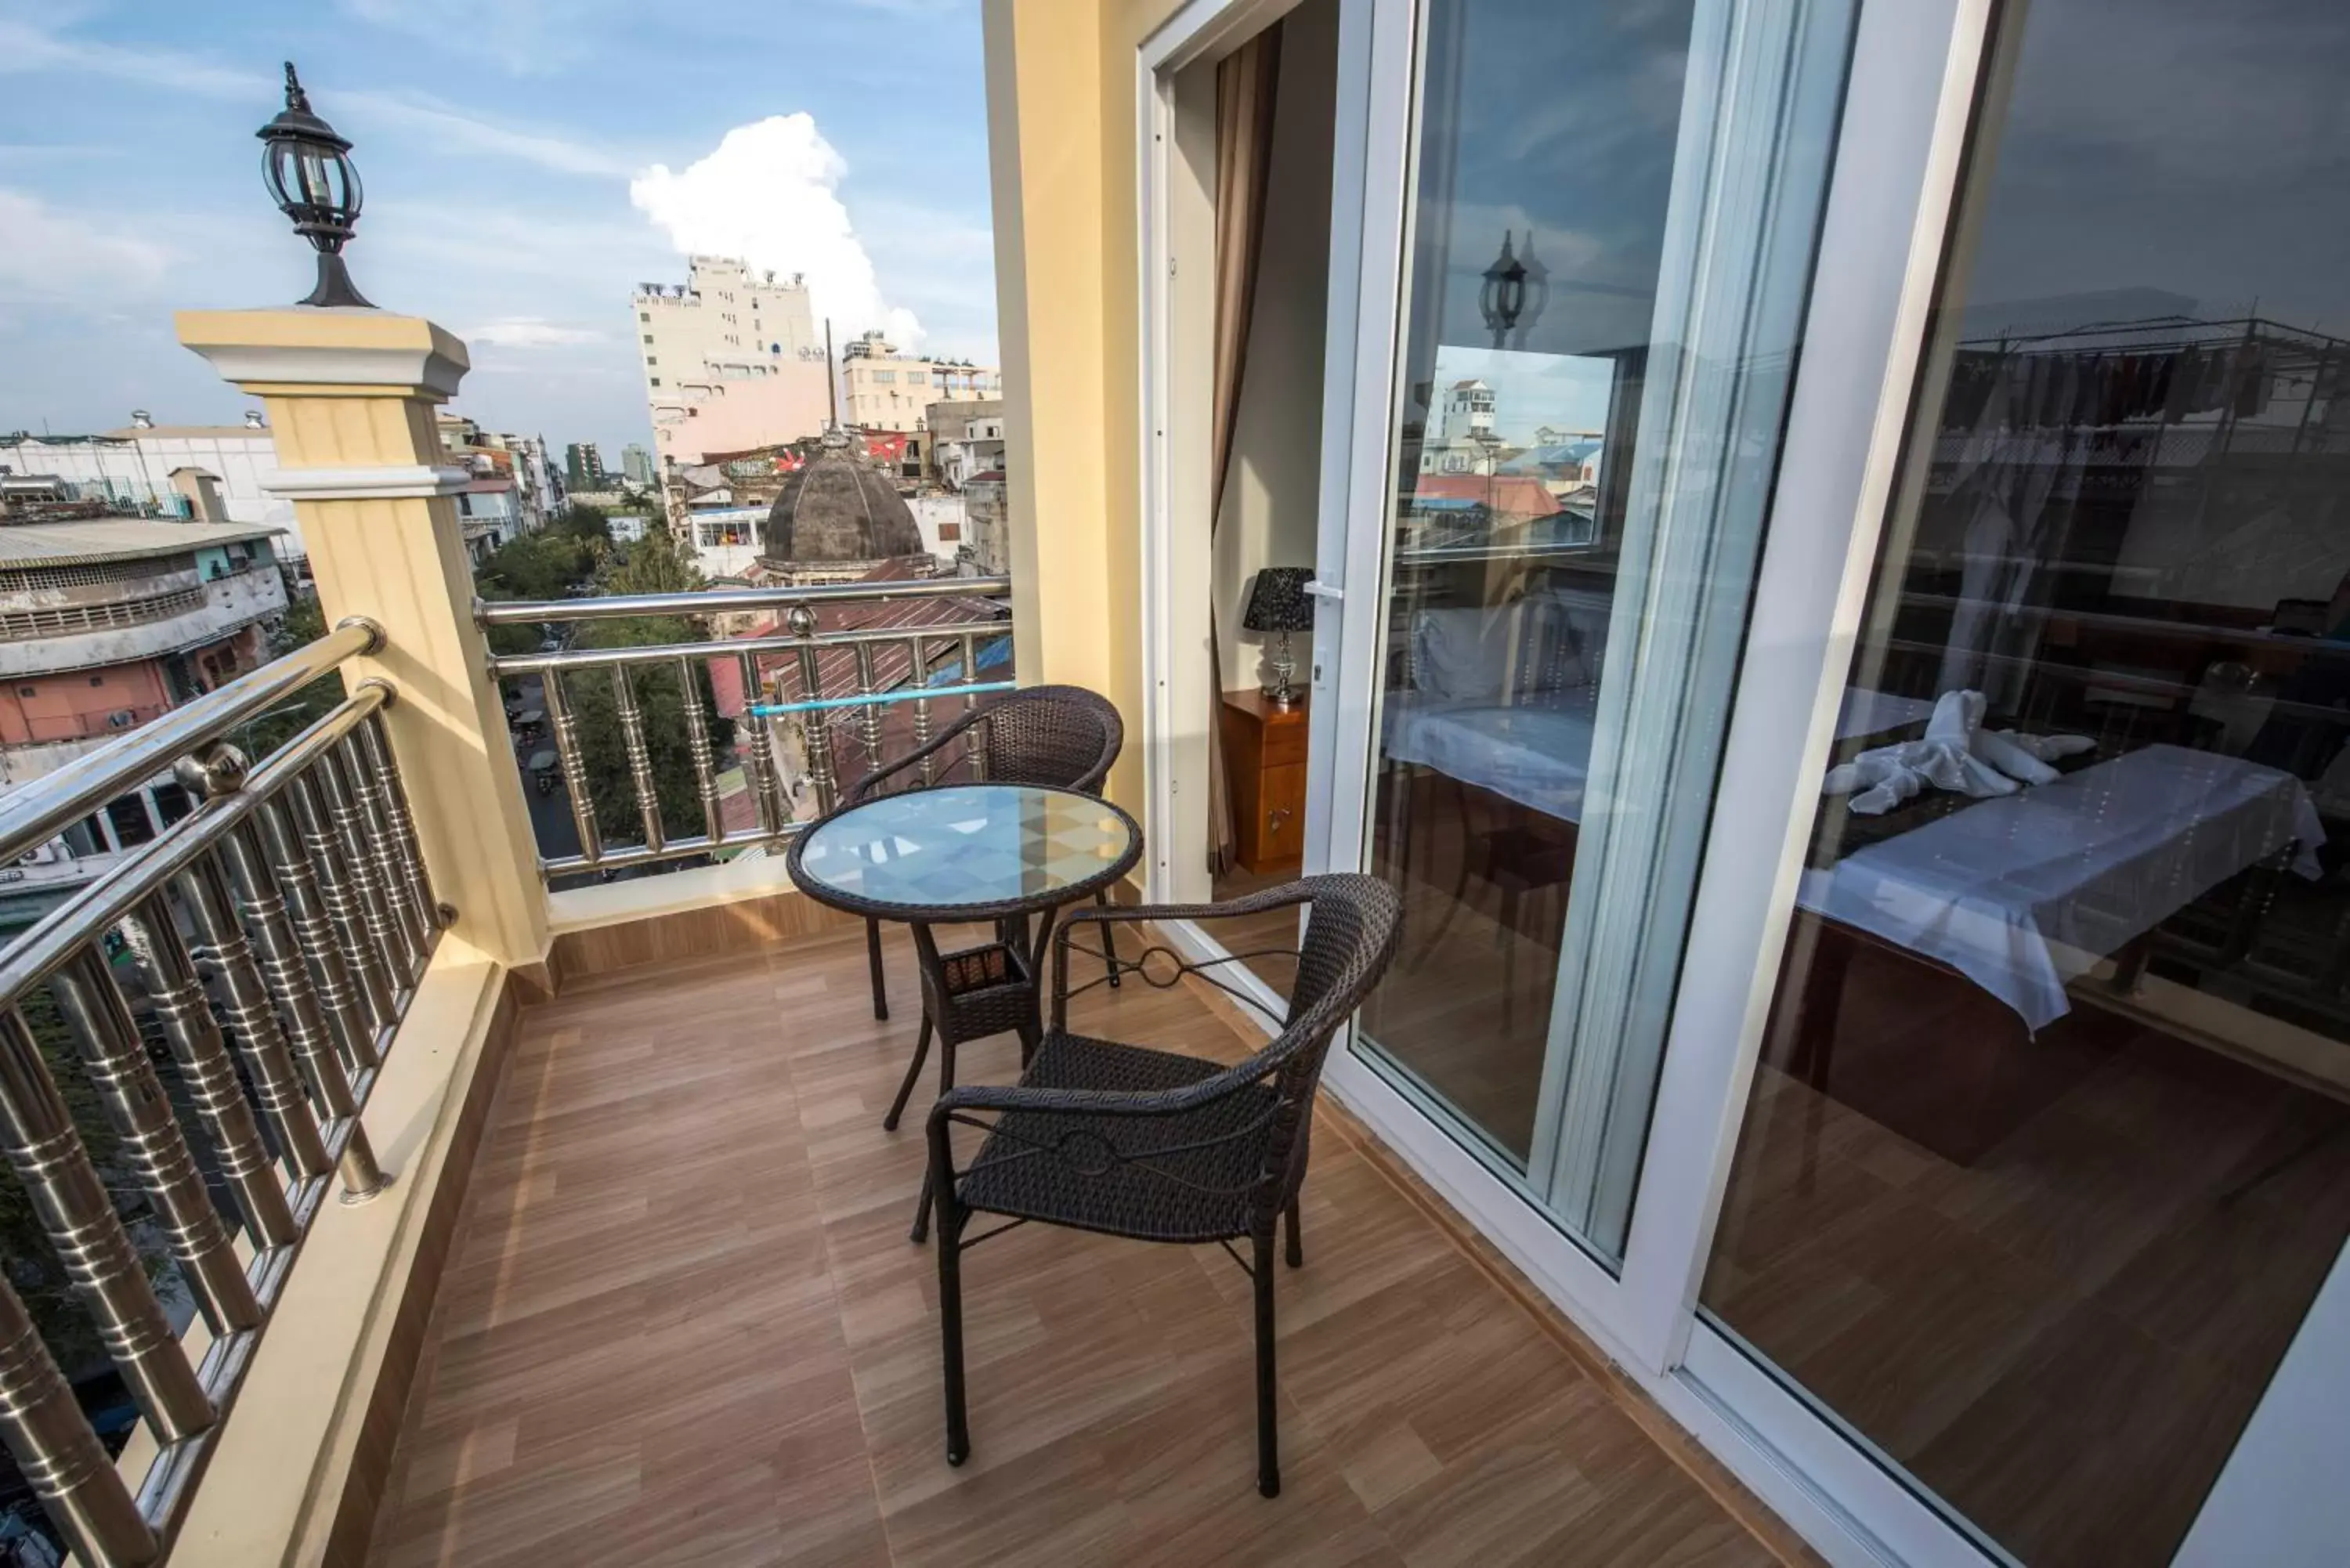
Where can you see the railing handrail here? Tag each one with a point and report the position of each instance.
(723, 601)
(41, 947)
(37, 812)
(510, 664)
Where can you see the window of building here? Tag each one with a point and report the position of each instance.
(97, 680)
(648, 337)
(656, 380)
(885, 377)
(644, 315)
(128, 815)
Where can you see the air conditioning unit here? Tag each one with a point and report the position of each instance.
(121, 719)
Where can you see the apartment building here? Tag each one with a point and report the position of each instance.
(106, 625)
(966, 440)
(733, 359)
(883, 389)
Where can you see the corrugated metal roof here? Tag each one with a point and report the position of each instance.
(112, 539)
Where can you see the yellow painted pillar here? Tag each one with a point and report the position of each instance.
(350, 394)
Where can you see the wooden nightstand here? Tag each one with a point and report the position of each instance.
(1265, 763)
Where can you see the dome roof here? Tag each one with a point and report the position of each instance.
(840, 508)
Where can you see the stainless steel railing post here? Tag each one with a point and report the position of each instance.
(38, 1140)
(565, 725)
(177, 995)
(697, 743)
(641, 759)
(221, 952)
(60, 1452)
(133, 1100)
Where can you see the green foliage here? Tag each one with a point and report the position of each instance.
(305, 622)
(653, 565)
(588, 524)
(547, 565)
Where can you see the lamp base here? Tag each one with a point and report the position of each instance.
(335, 286)
(1283, 691)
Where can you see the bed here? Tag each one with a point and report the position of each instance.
(2020, 894)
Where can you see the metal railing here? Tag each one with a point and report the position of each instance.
(817, 703)
(263, 949)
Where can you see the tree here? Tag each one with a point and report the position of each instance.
(303, 622)
(653, 565)
(544, 565)
(585, 522)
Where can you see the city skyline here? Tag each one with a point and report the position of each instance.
(526, 170)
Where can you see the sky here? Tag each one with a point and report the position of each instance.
(527, 164)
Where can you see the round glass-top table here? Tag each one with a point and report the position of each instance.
(966, 852)
(995, 852)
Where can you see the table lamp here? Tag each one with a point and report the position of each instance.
(1278, 603)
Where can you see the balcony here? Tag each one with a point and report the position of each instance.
(681, 1317)
(434, 1217)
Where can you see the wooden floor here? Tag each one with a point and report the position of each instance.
(683, 1325)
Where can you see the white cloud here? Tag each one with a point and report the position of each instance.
(769, 194)
(52, 256)
(531, 332)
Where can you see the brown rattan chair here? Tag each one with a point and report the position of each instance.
(1063, 736)
(1155, 1147)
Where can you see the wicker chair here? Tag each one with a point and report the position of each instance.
(1155, 1147)
(1065, 736)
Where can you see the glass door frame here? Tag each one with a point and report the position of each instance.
(1916, 76)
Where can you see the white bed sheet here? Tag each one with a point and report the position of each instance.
(1536, 753)
(2021, 893)
(2024, 892)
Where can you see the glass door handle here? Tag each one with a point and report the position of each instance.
(1322, 590)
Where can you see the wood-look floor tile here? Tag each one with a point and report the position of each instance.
(682, 1325)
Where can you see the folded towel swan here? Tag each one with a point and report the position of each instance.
(1955, 754)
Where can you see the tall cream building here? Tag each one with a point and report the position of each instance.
(733, 359)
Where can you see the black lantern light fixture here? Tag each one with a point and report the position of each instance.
(1503, 294)
(1278, 603)
(308, 170)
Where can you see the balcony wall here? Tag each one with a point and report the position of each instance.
(179, 613)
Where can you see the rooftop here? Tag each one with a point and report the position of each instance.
(110, 539)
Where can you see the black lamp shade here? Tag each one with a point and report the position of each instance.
(1278, 602)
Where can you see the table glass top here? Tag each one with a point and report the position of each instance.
(969, 845)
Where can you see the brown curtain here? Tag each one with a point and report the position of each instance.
(1245, 81)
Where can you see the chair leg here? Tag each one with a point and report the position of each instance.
(873, 957)
(1297, 1238)
(913, 1071)
(1268, 1438)
(950, 1326)
(1109, 937)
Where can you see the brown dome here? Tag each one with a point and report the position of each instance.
(840, 508)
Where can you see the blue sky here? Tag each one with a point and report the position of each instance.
(500, 142)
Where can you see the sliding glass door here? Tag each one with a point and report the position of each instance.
(1607, 247)
(1830, 560)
